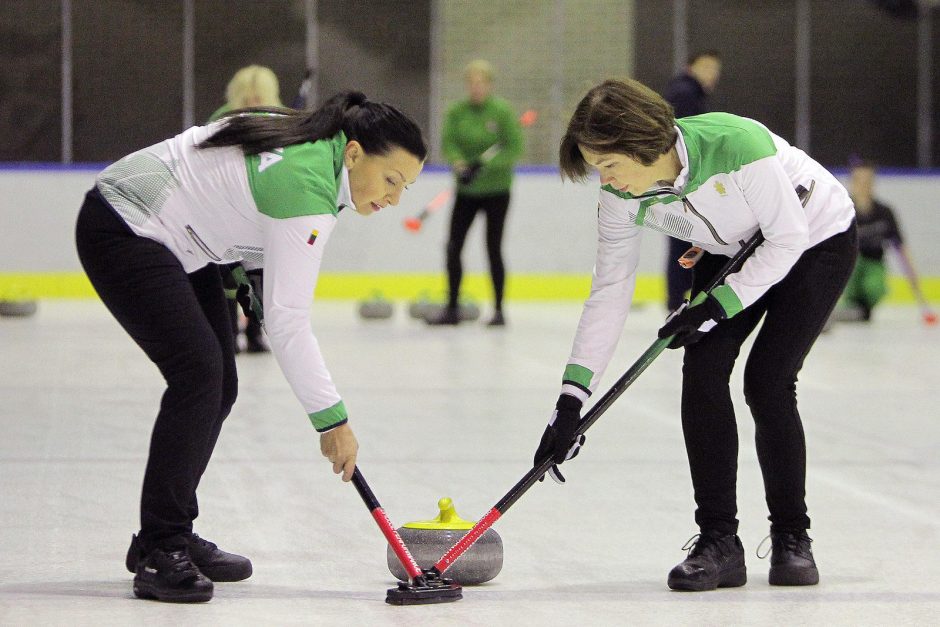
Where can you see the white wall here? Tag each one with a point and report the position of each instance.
(551, 226)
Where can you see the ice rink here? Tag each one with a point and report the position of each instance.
(458, 412)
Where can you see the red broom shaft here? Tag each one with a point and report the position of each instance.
(388, 529)
(395, 541)
(465, 542)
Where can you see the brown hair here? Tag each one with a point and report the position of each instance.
(618, 116)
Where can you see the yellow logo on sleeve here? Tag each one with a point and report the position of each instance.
(720, 189)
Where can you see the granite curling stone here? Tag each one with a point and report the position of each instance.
(428, 540)
(17, 308)
(467, 311)
(375, 308)
(419, 308)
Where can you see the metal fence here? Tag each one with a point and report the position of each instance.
(90, 80)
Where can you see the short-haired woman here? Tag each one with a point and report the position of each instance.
(713, 180)
(264, 189)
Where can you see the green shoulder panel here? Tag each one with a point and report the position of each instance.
(219, 113)
(721, 143)
(298, 180)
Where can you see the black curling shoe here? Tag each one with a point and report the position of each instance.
(715, 561)
(791, 559)
(171, 576)
(498, 320)
(446, 316)
(212, 561)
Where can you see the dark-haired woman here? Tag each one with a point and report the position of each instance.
(265, 189)
(714, 180)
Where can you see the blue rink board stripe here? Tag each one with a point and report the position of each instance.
(436, 168)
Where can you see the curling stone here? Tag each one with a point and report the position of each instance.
(17, 308)
(428, 540)
(375, 308)
(469, 311)
(419, 309)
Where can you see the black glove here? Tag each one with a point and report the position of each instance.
(689, 324)
(469, 173)
(558, 441)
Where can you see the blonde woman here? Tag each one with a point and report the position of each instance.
(472, 128)
(251, 86)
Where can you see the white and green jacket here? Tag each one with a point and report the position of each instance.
(274, 211)
(737, 177)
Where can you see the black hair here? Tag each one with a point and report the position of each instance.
(377, 126)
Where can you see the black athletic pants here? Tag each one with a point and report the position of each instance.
(794, 312)
(181, 321)
(252, 326)
(495, 207)
(678, 279)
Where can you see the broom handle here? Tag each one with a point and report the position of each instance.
(596, 411)
(388, 529)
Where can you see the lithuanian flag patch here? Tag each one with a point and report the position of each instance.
(313, 237)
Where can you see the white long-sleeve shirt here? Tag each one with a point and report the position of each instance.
(736, 178)
(274, 211)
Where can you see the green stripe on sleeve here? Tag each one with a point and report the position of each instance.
(728, 300)
(329, 417)
(578, 374)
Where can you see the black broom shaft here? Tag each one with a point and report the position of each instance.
(618, 388)
(364, 490)
(385, 525)
(596, 411)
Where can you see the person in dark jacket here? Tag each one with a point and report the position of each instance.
(688, 93)
(877, 230)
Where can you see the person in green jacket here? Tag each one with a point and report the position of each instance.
(482, 140)
(264, 189)
(715, 180)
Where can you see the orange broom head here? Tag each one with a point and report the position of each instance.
(529, 117)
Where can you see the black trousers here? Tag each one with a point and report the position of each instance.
(253, 328)
(181, 321)
(794, 313)
(495, 207)
(678, 279)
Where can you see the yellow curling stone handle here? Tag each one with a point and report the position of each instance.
(446, 519)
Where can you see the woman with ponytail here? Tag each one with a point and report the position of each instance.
(262, 187)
